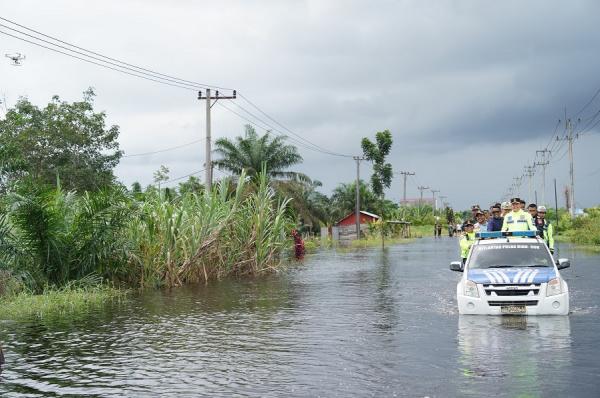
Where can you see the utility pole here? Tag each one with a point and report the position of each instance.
(405, 174)
(529, 172)
(209, 105)
(570, 138)
(433, 192)
(357, 210)
(442, 200)
(421, 188)
(545, 156)
(517, 185)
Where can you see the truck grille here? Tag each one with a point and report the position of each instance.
(532, 289)
(501, 303)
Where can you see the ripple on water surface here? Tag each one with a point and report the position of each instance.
(346, 323)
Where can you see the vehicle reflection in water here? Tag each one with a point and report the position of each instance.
(521, 352)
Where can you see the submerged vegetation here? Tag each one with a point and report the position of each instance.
(55, 302)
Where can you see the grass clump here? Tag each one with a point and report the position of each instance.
(583, 230)
(68, 300)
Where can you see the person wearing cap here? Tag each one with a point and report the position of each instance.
(506, 208)
(474, 210)
(517, 219)
(467, 240)
(481, 224)
(495, 222)
(545, 228)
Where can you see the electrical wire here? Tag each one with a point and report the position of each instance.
(185, 176)
(148, 74)
(271, 129)
(96, 63)
(589, 103)
(301, 141)
(241, 95)
(158, 74)
(163, 150)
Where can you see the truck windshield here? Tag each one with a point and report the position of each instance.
(509, 255)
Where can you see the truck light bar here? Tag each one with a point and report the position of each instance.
(500, 234)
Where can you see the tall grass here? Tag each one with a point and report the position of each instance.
(231, 230)
(49, 237)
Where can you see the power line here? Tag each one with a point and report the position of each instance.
(287, 129)
(163, 150)
(589, 103)
(96, 63)
(300, 139)
(182, 177)
(158, 74)
(271, 129)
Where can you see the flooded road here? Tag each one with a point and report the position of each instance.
(361, 323)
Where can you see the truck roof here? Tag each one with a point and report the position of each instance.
(508, 239)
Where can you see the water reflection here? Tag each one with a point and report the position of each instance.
(521, 352)
(356, 323)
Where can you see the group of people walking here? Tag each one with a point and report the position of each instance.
(507, 217)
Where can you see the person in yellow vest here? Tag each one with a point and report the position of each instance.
(545, 229)
(467, 240)
(517, 219)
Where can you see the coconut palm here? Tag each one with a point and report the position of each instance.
(252, 151)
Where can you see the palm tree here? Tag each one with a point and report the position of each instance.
(252, 151)
(343, 199)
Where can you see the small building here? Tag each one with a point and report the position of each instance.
(345, 229)
(350, 219)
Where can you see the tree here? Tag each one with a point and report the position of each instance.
(343, 199)
(382, 171)
(63, 140)
(191, 185)
(252, 151)
(161, 175)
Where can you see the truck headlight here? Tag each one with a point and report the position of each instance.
(471, 289)
(554, 287)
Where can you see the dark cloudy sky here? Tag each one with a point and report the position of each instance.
(469, 89)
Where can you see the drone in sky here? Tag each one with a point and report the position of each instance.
(17, 58)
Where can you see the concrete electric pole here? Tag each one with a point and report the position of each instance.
(570, 138)
(421, 188)
(209, 105)
(517, 186)
(544, 162)
(442, 200)
(529, 172)
(405, 174)
(433, 192)
(357, 210)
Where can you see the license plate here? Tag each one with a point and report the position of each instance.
(513, 309)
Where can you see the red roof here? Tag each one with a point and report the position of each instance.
(365, 218)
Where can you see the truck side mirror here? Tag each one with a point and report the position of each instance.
(563, 263)
(456, 266)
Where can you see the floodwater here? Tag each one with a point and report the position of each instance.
(359, 323)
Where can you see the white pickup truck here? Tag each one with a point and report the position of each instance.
(511, 275)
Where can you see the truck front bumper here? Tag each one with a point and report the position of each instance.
(553, 305)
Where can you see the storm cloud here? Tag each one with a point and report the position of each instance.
(470, 90)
